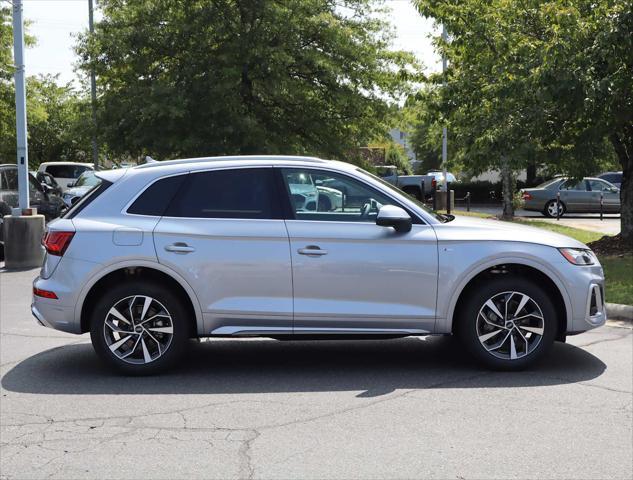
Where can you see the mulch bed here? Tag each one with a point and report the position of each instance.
(611, 245)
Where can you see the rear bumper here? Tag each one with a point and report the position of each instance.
(51, 314)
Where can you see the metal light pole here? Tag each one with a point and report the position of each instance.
(444, 130)
(20, 106)
(93, 92)
(22, 230)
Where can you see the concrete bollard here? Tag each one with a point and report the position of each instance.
(23, 241)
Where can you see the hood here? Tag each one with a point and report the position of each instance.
(479, 229)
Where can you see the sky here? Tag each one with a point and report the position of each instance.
(55, 24)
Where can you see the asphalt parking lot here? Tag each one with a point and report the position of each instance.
(407, 408)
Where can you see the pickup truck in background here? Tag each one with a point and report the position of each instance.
(418, 186)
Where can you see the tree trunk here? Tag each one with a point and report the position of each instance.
(507, 189)
(625, 155)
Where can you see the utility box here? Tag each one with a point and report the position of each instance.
(23, 241)
(441, 199)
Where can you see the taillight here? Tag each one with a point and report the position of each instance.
(44, 293)
(56, 243)
(526, 196)
(434, 183)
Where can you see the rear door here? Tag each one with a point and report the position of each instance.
(224, 234)
(575, 195)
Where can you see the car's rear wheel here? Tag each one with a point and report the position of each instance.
(139, 328)
(508, 323)
(551, 209)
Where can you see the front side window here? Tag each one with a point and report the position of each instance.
(598, 186)
(239, 193)
(328, 196)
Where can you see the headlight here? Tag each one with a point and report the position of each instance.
(578, 256)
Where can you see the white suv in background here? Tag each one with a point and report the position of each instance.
(65, 173)
(163, 252)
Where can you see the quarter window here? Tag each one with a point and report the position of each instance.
(156, 198)
(239, 193)
(327, 196)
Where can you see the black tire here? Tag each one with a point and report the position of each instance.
(164, 298)
(468, 317)
(551, 205)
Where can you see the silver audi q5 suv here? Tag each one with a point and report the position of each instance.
(297, 247)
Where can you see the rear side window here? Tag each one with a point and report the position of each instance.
(87, 199)
(156, 198)
(66, 171)
(240, 193)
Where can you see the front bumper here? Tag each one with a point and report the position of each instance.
(586, 289)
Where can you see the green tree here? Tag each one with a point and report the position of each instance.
(540, 81)
(395, 155)
(55, 116)
(424, 114)
(230, 76)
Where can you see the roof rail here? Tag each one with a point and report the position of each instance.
(231, 158)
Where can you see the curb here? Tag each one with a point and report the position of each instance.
(615, 311)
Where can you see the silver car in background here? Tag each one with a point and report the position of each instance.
(229, 247)
(576, 196)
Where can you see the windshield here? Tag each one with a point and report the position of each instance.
(88, 179)
(437, 216)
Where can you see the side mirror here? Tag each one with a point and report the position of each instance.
(396, 217)
(70, 184)
(46, 188)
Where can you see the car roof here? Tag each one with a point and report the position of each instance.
(173, 167)
(233, 159)
(85, 164)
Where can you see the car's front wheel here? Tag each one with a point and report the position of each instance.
(139, 328)
(508, 323)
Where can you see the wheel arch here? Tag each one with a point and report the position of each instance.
(526, 268)
(136, 269)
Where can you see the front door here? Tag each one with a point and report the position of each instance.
(349, 274)
(224, 234)
(610, 196)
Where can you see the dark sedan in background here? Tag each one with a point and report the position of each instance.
(576, 196)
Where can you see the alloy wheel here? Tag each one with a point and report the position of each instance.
(138, 329)
(510, 325)
(553, 209)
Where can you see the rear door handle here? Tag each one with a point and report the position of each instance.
(312, 251)
(179, 247)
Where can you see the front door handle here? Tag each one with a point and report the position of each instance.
(312, 251)
(179, 247)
